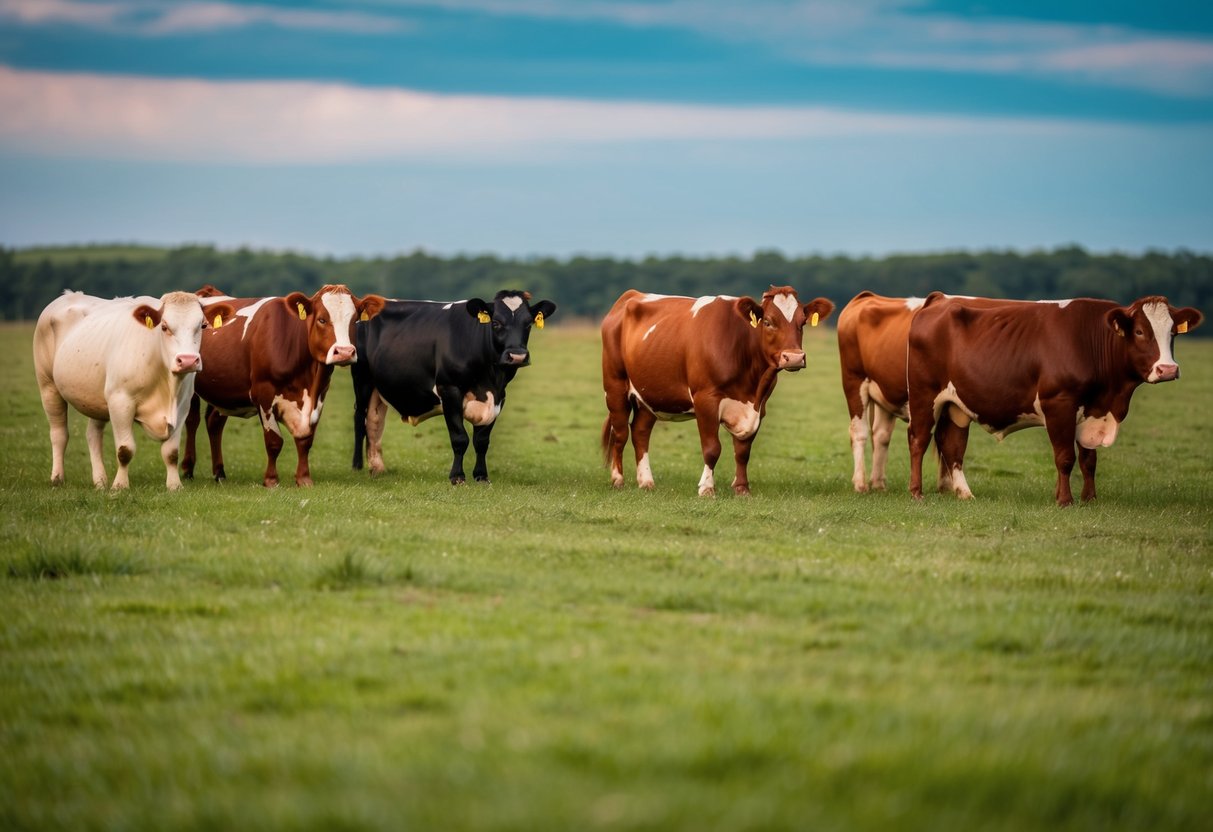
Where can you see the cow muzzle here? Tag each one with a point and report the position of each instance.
(187, 362)
(342, 355)
(516, 358)
(791, 360)
(1163, 372)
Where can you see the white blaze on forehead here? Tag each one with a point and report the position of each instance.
(341, 314)
(1159, 317)
(787, 304)
(512, 303)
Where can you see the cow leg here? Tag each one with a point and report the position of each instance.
(122, 419)
(480, 444)
(919, 436)
(374, 422)
(859, 444)
(642, 430)
(169, 450)
(273, 447)
(56, 416)
(882, 434)
(95, 436)
(1061, 424)
(615, 434)
(452, 411)
(741, 455)
(192, 420)
(952, 441)
(215, 421)
(1086, 464)
(707, 418)
(303, 472)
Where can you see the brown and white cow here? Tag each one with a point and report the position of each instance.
(873, 339)
(713, 359)
(1070, 366)
(873, 335)
(274, 360)
(122, 361)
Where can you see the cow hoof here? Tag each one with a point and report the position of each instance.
(56, 482)
(860, 488)
(304, 483)
(220, 480)
(271, 483)
(878, 485)
(484, 480)
(741, 490)
(458, 481)
(917, 495)
(707, 492)
(187, 475)
(647, 485)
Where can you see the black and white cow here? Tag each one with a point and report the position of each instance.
(427, 358)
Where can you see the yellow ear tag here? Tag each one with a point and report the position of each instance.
(218, 321)
(539, 320)
(302, 314)
(483, 317)
(813, 320)
(753, 320)
(148, 320)
(364, 317)
(1182, 327)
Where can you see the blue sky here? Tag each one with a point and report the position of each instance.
(617, 127)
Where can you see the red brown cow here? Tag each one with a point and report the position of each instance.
(873, 334)
(1070, 366)
(873, 339)
(274, 360)
(713, 359)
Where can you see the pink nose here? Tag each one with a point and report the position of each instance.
(343, 355)
(1167, 372)
(187, 363)
(791, 360)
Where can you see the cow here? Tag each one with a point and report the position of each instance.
(873, 339)
(275, 361)
(1070, 366)
(873, 335)
(426, 358)
(121, 361)
(714, 359)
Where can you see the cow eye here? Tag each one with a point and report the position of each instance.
(1139, 333)
(322, 321)
(767, 323)
(164, 327)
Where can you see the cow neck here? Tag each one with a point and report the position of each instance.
(767, 369)
(1111, 362)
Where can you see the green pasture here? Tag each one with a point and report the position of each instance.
(548, 653)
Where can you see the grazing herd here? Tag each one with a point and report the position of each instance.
(940, 363)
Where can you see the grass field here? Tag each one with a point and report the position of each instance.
(547, 653)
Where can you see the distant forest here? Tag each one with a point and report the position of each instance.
(585, 287)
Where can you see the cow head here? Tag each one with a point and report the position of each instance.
(780, 319)
(178, 322)
(330, 315)
(509, 319)
(1149, 326)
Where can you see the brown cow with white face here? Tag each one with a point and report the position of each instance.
(713, 359)
(1070, 366)
(274, 360)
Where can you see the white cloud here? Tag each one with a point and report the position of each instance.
(270, 122)
(152, 18)
(900, 34)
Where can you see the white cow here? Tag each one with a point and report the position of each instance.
(125, 360)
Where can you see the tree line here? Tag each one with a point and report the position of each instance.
(585, 287)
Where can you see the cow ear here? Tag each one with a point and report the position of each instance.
(1187, 319)
(748, 310)
(299, 304)
(817, 310)
(209, 291)
(542, 311)
(369, 306)
(1119, 320)
(480, 310)
(217, 313)
(147, 316)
